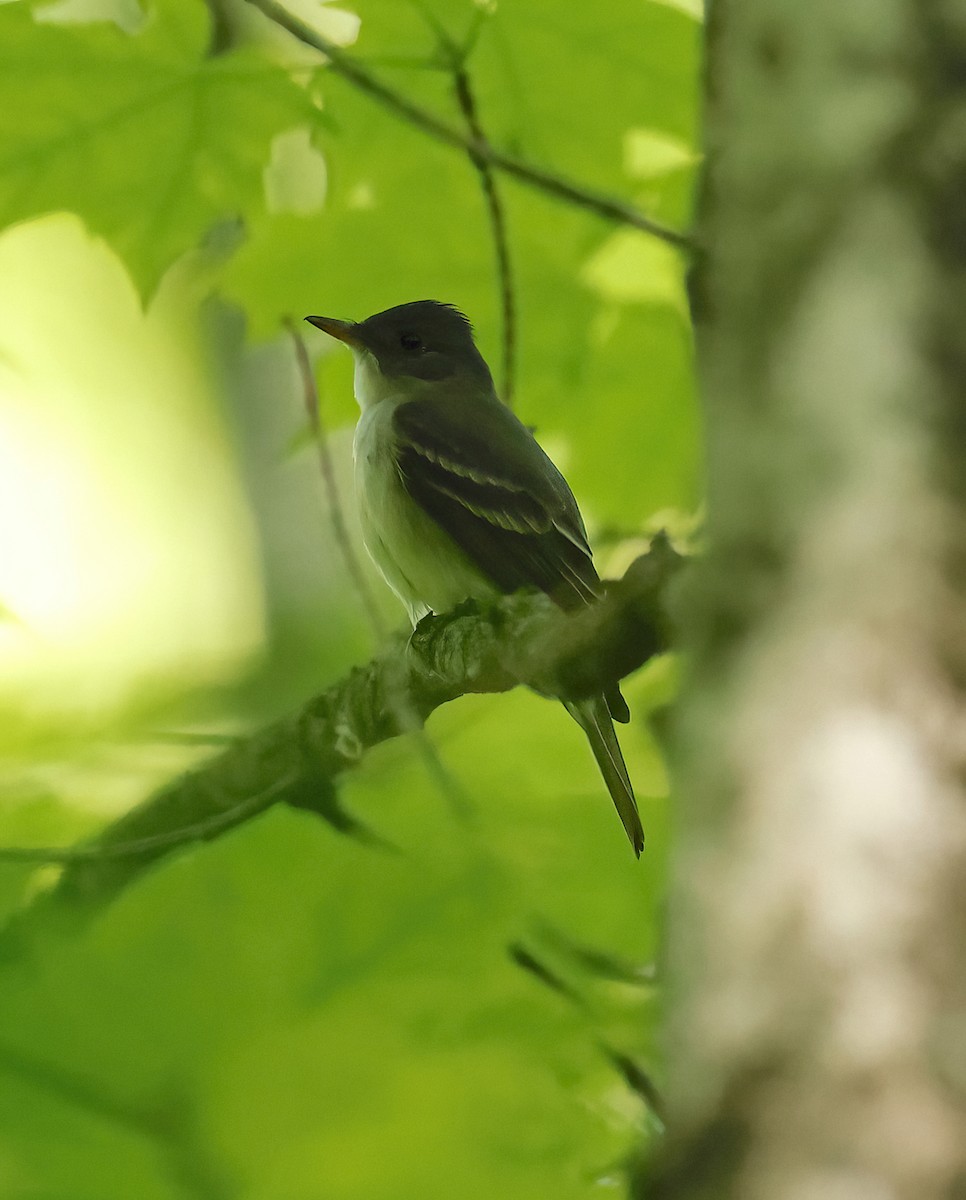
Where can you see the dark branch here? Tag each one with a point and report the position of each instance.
(521, 639)
(361, 77)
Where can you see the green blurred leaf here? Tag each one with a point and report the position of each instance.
(299, 1015)
(145, 137)
(61, 1139)
(559, 84)
(8, 616)
(650, 155)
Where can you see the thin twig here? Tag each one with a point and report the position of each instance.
(339, 528)
(177, 737)
(361, 77)
(455, 58)
(467, 102)
(197, 831)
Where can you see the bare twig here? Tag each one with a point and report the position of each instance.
(455, 58)
(178, 737)
(197, 831)
(361, 77)
(336, 516)
(467, 102)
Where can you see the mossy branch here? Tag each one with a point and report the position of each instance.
(520, 639)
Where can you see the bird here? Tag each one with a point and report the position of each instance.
(457, 499)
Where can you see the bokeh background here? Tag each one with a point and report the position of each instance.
(460, 1008)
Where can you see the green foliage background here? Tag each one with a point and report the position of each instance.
(288, 1013)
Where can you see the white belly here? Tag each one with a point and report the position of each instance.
(421, 563)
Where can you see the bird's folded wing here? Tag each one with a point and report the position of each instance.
(480, 475)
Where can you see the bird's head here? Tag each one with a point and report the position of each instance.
(409, 348)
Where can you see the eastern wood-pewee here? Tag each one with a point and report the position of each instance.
(457, 499)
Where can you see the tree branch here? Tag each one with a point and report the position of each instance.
(520, 639)
(361, 77)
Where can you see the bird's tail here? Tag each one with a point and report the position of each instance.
(594, 719)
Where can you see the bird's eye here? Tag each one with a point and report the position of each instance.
(410, 341)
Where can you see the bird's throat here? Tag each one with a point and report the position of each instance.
(368, 382)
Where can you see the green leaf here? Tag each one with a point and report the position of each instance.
(59, 1141)
(307, 1017)
(562, 83)
(649, 154)
(145, 137)
(558, 84)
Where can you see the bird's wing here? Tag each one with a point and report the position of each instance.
(480, 475)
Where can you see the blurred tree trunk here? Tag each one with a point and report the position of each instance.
(818, 935)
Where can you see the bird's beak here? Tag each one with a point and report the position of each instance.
(343, 330)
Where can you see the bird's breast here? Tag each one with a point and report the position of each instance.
(418, 559)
